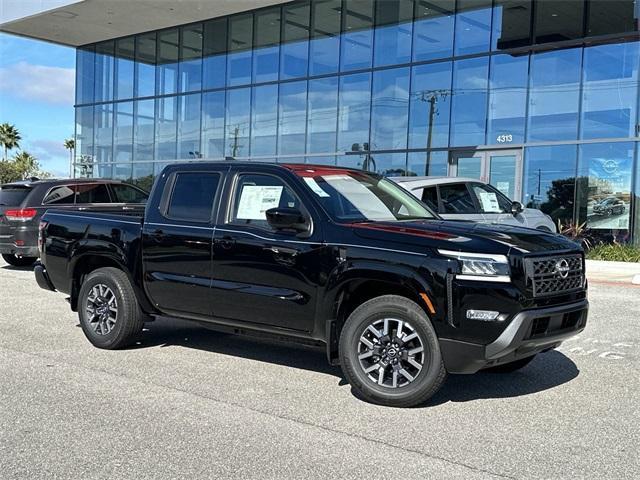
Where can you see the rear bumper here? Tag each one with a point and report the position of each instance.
(22, 240)
(42, 278)
(528, 333)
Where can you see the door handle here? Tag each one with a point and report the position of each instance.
(285, 252)
(226, 242)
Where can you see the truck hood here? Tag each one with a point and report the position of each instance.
(465, 236)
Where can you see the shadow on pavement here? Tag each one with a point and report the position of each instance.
(17, 269)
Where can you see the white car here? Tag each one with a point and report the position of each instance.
(456, 198)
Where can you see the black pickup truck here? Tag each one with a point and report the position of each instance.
(328, 256)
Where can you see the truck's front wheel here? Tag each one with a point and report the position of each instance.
(390, 353)
(108, 309)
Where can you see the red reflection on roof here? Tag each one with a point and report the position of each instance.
(303, 170)
(402, 229)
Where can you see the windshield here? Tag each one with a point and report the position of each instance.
(13, 196)
(350, 196)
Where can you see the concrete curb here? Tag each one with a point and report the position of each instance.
(623, 272)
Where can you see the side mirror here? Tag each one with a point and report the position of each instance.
(287, 219)
(516, 208)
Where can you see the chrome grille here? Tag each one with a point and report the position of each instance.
(554, 275)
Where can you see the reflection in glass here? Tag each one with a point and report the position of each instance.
(502, 173)
(125, 56)
(602, 12)
(123, 132)
(507, 99)
(558, 20)
(190, 69)
(353, 113)
(610, 91)
(433, 29)
(142, 176)
(84, 135)
(294, 51)
(554, 95)
(388, 164)
(356, 47)
(103, 124)
(469, 167)
(325, 37)
(394, 28)
(189, 127)
(213, 112)
(430, 105)
(469, 107)
(427, 163)
(390, 109)
(104, 73)
(266, 53)
(636, 199)
(239, 46)
(214, 62)
(85, 70)
(292, 119)
(146, 65)
(237, 123)
(168, 55)
(143, 134)
(121, 171)
(511, 24)
(323, 112)
(264, 120)
(166, 124)
(473, 27)
(550, 180)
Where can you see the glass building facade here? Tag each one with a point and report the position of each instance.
(540, 97)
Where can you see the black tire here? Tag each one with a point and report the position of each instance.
(511, 367)
(16, 261)
(128, 319)
(426, 382)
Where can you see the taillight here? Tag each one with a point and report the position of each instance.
(22, 215)
(41, 226)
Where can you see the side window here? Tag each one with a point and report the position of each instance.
(92, 193)
(255, 194)
(128, 194)
(62, 195)
(430, 197)
(456, 199)
(490, 200)
(193, 195)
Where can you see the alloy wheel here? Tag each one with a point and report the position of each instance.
(102, 309)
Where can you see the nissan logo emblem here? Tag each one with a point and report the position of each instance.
(562, 268)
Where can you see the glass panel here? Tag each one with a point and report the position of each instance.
(292, 117)
(104, 133)
(84, 135)
(388, 164)
(636, 200)
(124, 193)
(390, 110)
(190, 68)
(469, 109)
(427, 163)
(323, 115)
(610, 90)
(511, 24)
(324, 47)
(295, 48)
(357, 38)
(142, 176)
(473, 27)
(329, 160)
(240, 45)
(168, 55)
(433, 29)
(264, 120)
(189, 127)
(143, 130)
(104, 71)
(469, 167)
(237, 124)
(481, 191)
(558, 20)
(85, 78)
(507, 99)
(456, 198)
(123, 132)
(125, 63)
(214, 51)
(502, 173)
(166, 124)
(394, 28)
(266, 54)
(62, 195)
(430, 105)
(96, 193)
(353, 114)
(192, 197)
(213, 112)
(121, 171)
(146, 65)
(603, 198)
(554, 95)
(550, 179)
(612, 16)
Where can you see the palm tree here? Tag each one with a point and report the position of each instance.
(9, 138)
(70, 144)
(27, 164)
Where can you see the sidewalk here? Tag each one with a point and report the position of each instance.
(615, 272)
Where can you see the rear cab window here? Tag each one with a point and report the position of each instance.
(192, 196)
(13, 196)
(123, 193)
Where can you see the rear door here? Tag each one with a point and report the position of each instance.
(177, 242)
(94, 197)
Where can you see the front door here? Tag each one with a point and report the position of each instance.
(500, 168)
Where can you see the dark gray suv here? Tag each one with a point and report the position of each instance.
(22, 204)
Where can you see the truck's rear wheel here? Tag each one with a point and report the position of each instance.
(17, 261)
(390, 353)
(108, 309)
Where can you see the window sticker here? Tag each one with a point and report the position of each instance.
(489, 202)
(317, 189)
(255, 200)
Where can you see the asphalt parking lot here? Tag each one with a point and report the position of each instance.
(189, 402)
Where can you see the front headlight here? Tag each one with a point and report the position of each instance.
(480, 266)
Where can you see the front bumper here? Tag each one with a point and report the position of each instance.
(528, 333)
(42, 277)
